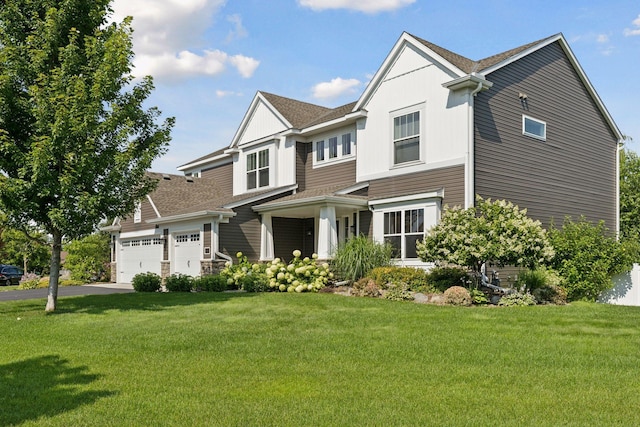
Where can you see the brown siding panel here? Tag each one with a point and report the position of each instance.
(223, 175)
(325, 176)
(573, 172)
(288, 236)
(147, 212)
(451, 179)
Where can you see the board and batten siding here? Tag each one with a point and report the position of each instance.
(451, 179)
(223, 176)
(573, 172)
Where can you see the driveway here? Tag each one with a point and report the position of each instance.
(68, 291)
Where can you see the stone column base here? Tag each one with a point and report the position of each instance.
(210, 267)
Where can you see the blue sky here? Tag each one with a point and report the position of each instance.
(210, 57)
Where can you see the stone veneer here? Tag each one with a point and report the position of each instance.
(209, 267)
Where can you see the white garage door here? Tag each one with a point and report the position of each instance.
(186, 254)
(140, 255)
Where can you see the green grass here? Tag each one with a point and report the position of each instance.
(8, 288)
(314, 359)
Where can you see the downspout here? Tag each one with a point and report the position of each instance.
(470, 194)
(618, 150)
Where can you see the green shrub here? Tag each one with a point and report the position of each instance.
(146, 282)
(530, 280)
(29, 281)
(179, 283)
(517, 299)
(399, 292)
(587, 256)
(478, 297)
(212, 283)
(254, 283)
(415, 279)
(457, 295)
(442, 278)
(551, 294)
(355, 258)
(299, 275)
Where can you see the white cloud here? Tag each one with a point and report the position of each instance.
(367, 6)
(633, 31)
(335, 88)
(226, 93)
(602, 38)
(239, 31)
(168, 38)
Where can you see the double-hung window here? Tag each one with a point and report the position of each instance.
(406, 138)
(258, 169)
(333, 147)
(320, 151)
(402, 229)
(346, 144)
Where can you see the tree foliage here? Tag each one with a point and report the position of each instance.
(28, 250)
(497, 232)
(88, 259)
(587, 256)
(629, 194)
(75, 140)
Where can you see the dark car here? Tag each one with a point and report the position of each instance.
(10, 275)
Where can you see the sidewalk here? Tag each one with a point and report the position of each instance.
(68, 291)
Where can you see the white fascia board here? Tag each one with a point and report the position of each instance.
(341, 121)
(153, 205)
(247, 116)
(353, 188)
(263, 140)
(261, 196)
(470, 81)
(213, 159)
(391, 58)
(317, 200)
(576, 65)
(222, 215)
(141, 233)
(409, 198)
(110, 228)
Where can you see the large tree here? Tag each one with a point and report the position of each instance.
(75, 139)
(629, 194)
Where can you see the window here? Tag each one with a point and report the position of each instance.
(406, 138)
(533, 127)
(346, 144)
(258, 169)
(137, 214)
(333, 147)
(402, 229)
(320, 151)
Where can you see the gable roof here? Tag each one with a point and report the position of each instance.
(297, 113)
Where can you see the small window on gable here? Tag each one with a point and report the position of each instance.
(137, 214)
(534, 128)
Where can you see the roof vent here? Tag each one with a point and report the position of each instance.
(166, 177)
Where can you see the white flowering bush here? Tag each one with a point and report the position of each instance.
(299, 275)
(243, 274)
(498, 232)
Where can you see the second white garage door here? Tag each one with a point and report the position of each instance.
(139, 255)
(186, 253)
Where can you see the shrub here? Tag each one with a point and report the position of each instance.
(359, 255)
(254, 283)
(551, 294)
(587, 256)
(365, 287)
(517, 299)
(89, 258)
(442, 278)
(399, 292)
(415, 279)
(490, 231)
(457, 295)
(299, 275)
(146, 282)
(530, 280)
(29, 281)
(179, 283)
(478, 297)
(212, 283)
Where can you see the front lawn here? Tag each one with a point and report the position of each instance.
(314, 359)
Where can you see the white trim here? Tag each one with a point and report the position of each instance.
(420, 167)
(259, 97)
(378, 204)
(316, 200)
(353, 188)
(534, 135)
(153, 205)
(140, 233)
(222, 216)
(224, 156)
(261, 196)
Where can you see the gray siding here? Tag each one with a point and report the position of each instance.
(325, 176)
(451, 179)
(573, 172)
(223, 175)
(147, 212)
(291, 234)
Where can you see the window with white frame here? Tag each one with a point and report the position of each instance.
(534, 127)
(258, 169)
(406, 138)
(334, 148)
(402, 229)
(137, 214)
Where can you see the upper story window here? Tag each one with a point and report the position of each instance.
(334, 148)
(406, 138)
(137, 214)
(258, 169)
(534, 127)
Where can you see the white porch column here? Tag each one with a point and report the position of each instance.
(215, 238)
(266, 238)
(327, 232)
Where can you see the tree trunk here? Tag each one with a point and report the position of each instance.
(54, 275)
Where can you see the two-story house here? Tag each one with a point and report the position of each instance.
(431, 129)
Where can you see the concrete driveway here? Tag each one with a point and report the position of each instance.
(68, 291)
